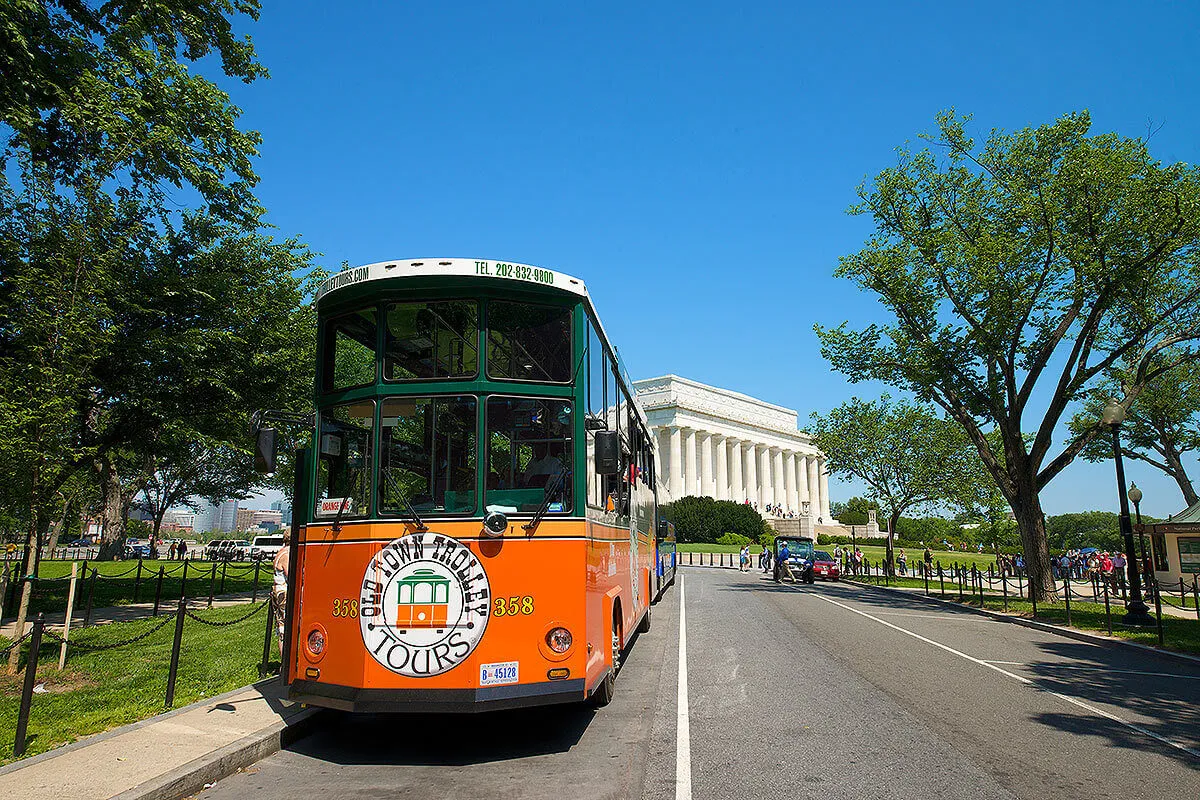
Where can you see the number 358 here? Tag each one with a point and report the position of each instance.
(512, 606)
(345, 608)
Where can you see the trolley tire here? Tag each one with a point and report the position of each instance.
(644, 625)
(603, 694)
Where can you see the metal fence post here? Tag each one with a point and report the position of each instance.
(960, 583)
(87, 616)
(183, 586)
(941, 579)
(137, 580)
(1107, 610)
(179, 613)
(254, 592)
(1067, 595)
(35, 644)
(212, 583)
(925, 573)
(158, 590)
(1158, 612)
(224, 564)
(1196, 595)
(1004, 585)
(262, 667)
(1033, 599)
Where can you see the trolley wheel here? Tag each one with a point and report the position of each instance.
(644, 625)
(608, 687)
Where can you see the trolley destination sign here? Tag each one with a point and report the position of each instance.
(454, 267)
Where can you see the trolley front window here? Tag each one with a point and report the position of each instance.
(344, 460)
(427, 455)
(529, 454)
(528, 342)
(350, 351)
(427, 341)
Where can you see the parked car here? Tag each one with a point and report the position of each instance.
(214, 550)
(265, 547)
(825, 567)
(136, 549)
(799, 563)
(239, 550)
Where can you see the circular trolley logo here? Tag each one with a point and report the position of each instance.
(424, 605)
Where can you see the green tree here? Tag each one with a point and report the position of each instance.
(853, 511)
(1016, 273)
(908, 456)
(1161, 428)
(703, 519)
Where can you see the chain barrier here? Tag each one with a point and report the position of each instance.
(227, 623)
(15, 643)
(129, 571)
(75, 644)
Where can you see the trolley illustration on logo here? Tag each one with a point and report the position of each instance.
(422, 600)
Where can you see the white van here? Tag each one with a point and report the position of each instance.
(265, 547)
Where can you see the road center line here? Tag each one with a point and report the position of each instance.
(683, 733)
(1019, 678)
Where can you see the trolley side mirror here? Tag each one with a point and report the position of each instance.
(264, 451)
(608, 453)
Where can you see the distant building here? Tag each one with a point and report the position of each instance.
(206, 517)
(248, 518)
(226, 517)
(284, 508)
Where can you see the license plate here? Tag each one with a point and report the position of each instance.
(499, 674)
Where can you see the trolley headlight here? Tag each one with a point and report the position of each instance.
(495, 523)
(559, 640)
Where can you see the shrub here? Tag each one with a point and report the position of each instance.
(734, 539)
(767, 539)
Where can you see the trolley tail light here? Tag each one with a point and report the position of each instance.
(559, 640)
(315, 643)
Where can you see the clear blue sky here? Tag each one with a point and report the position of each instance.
(692, 162)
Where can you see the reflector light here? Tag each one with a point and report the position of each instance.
(316, 642)
(559, 640)
(312, 672)
(558, 674)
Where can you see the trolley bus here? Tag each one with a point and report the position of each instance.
(475, 525)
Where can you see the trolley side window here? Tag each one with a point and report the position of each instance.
(427, 454)
(428, 340)
(349, 352)
(528, 342)
(529, 454)
(344, 460)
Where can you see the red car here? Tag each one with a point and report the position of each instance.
(825, 567)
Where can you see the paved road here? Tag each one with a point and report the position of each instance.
(832, 691)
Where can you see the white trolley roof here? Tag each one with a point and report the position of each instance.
(508, 271)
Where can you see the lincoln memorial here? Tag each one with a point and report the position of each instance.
(729, 446)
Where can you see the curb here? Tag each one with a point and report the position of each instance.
(1046, 627)
(200, 773)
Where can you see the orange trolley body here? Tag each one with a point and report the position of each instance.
(396, 605)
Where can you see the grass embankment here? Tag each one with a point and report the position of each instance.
(102, 690)
(1178, 633)
(116, 581)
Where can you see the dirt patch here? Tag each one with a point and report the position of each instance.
(51, 679)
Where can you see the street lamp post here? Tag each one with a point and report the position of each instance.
(1137, 612)
(1135, 494)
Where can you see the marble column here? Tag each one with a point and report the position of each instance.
(814, 488)
(789, 480)
(737, 485)
(689, 462)
(824, 487)
(708, 487)
(802, 480)
(719, 444)
(778, 483)
(765, 493)
(751, 473)
(676, 464)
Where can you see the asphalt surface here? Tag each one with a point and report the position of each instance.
(829, 691)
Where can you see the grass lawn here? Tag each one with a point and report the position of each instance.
(98, 691)
(871, 553)
(1178, 634)
(116, 581)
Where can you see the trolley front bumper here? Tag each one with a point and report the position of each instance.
(487, 698)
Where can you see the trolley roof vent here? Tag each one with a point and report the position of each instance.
(417, 264)
(445, 263)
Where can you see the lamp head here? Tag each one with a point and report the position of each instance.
(1135, 494)
(1114, 413)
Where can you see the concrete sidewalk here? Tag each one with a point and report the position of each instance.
(165, 757)
(102, 616)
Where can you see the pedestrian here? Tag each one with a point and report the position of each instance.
(902, 558)
(744, 559)
(279, 587)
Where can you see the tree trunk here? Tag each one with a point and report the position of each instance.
(893, 522)
(1181, 478)
(112, 538)
(31, 543)
(1027, 507)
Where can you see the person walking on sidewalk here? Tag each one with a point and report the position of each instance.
(279, 587)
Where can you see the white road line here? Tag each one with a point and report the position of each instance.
(683, 732)
(1019, 678)
(955, 617)
(1105, 670)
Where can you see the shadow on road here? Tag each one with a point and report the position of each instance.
(445, 740)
